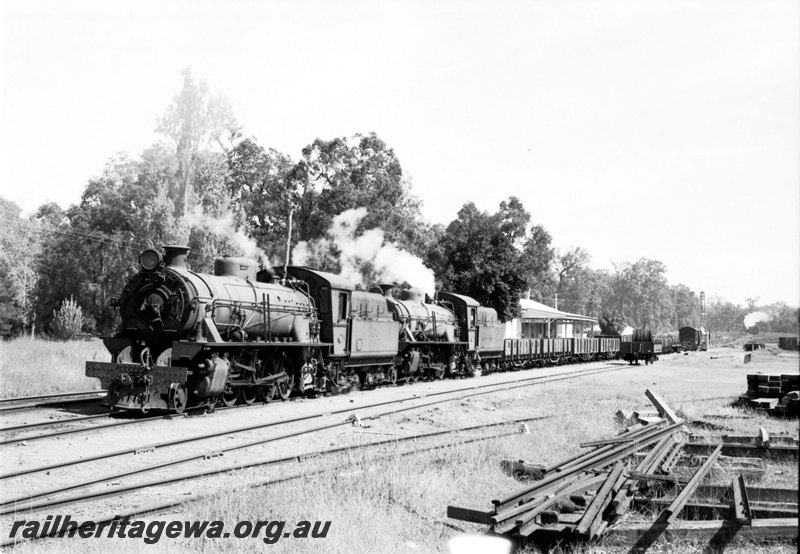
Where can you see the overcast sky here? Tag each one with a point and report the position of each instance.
(666, 130)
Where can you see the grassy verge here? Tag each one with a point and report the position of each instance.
(31, 367)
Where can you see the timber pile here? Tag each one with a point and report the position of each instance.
(650, 467)
(777, 395)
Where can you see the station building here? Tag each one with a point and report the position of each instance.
(541, 321)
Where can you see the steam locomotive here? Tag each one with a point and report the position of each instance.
(193, 340)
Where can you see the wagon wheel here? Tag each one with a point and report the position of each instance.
(266, 393)
(439, 373)
(248, 395)
(229, 397)
(392, 374)
(285, 386)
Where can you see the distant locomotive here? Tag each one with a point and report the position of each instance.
(692, 339)
(191, 340)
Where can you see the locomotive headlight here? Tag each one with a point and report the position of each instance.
(150, 259)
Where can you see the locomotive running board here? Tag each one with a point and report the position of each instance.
(251, 344)
(404, 343)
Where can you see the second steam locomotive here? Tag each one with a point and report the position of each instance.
(190, 340)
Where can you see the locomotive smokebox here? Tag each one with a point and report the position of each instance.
(175, 255)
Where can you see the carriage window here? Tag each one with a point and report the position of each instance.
(342, 306)
(324, 299)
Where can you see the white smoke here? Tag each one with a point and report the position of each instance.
(751, 319)
(388, 262)
(225, 225)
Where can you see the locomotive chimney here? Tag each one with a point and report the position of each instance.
(175, 255)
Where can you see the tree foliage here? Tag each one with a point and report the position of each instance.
(485, 255)
(19, 247)
(194, 120)
(67, 320)
(640, 292)
(263, 188)
(363, 172)
(612, 324)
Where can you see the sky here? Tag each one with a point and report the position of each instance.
(665, 130)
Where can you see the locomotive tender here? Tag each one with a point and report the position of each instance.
(190, 340)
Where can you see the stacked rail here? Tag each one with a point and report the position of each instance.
(586, 497)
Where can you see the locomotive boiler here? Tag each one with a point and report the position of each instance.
(189, 339)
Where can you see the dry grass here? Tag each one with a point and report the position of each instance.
(32, 367)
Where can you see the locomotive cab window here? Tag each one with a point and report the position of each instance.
(342, 306)
(472, 316)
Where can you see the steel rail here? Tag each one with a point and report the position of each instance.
(56, 395)
(50, 423)
(597, 459)
(273, 461)
(109, 415)
(117, 423)
(53, 403)
(495, 387)
(90, 417)
(153, 467)
(152, 509)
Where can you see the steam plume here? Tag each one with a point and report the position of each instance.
(753, 318)
(366, 258)
(225, 225)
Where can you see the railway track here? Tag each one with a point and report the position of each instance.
(492, 387)
(79, 419)
(25, 502)
(64, 398)
(269, 461)
(48, 396)
(316, 455)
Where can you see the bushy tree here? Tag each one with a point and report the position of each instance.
(687, 307)
(263, 186)
(612, 323)
(340, 174)
(640, 292)
(194, 121)
(486, 255)
(67, 320)
(20, 243)
(725, 316)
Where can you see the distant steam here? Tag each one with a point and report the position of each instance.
(366, 258)
(751, 319)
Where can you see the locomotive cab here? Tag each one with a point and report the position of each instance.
(358, 323)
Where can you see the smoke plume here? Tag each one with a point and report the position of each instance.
(366, 258)
(751, 319)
